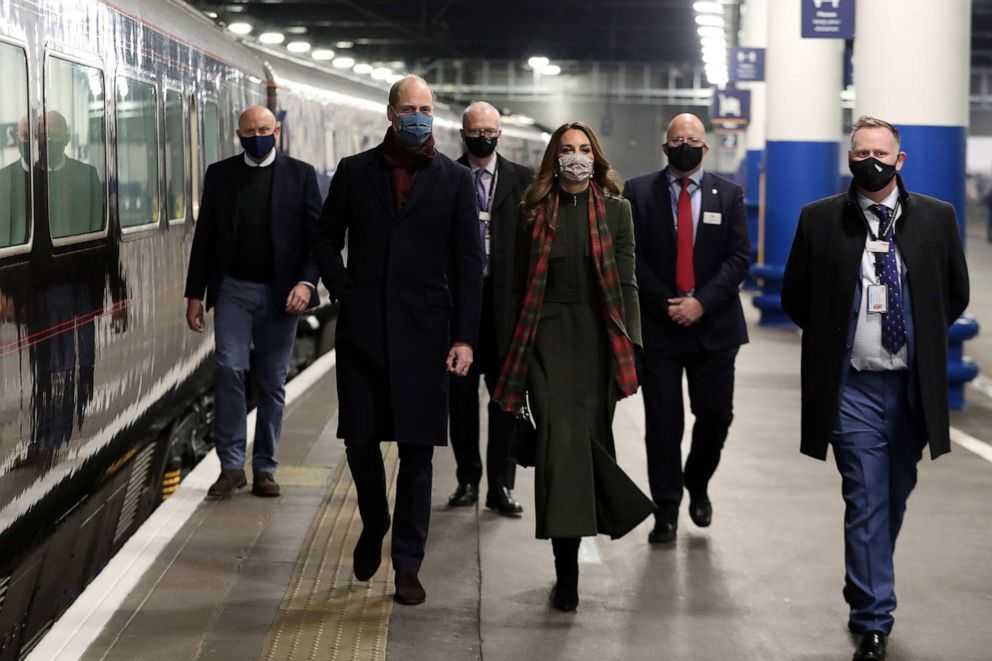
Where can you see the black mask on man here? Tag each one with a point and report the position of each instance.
(685, 157)
(871, 174)
(480, 146)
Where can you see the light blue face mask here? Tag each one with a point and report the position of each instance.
(414, 128)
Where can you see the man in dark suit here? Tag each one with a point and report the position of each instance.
(251, 254)
(875, 277)
(692, 254)
(410, 302)
(499, 186)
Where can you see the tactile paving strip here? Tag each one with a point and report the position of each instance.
(326, 613)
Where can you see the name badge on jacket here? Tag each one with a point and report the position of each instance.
(712, 217)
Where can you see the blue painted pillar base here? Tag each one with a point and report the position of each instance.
(752, 200)
(770, 301)
(960, 370)
(936, 166)
(796, 173)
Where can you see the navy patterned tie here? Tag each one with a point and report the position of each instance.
(893, 324)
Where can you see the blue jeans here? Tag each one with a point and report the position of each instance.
(246, 316)
(876, 448)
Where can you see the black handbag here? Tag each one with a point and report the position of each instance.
(523, 438)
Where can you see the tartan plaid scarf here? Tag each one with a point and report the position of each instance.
(512, 384)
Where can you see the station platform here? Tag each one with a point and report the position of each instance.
(271, 579)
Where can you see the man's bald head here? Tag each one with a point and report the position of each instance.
(254, 118)
(685, 123)
(480, 115)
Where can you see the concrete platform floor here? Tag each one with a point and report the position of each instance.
(763, 582)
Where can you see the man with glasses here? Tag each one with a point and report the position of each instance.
(499, 186)
(410, 295)
(692, 255)
(251, 255)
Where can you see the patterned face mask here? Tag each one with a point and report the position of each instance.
(575, 167)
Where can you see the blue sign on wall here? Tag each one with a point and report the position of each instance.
(747, 64)
(828, 19)
(731, 107)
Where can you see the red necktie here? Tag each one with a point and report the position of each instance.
(685, 280)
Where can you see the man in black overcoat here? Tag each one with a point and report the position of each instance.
(499, 185)
(692, 255)
(875, 277)
(410, 301)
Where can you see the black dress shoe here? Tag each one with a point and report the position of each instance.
(409, 591)
(464, 495)
(230, 480)
(700, 510)
(502, 502)
(663, 533)
(367, 555)
(872, 646)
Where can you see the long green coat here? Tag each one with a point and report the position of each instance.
(579, 488)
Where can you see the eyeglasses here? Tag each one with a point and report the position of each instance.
(678, 142)
(476, 133)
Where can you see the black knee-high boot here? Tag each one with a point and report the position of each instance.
(566, 593)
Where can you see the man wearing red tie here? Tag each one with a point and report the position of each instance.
(692, 255)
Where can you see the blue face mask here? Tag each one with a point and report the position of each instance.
(414, 128)
(259, 146)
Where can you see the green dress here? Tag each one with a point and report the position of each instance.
(579, 488)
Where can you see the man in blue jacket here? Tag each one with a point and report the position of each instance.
(251, 256)
(410, 303)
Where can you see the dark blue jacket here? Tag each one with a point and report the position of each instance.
(720, 259)
(295, 210)
(412, 286)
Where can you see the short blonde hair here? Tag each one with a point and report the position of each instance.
(868, 122)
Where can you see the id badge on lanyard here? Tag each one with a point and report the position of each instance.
(485, 218)
(878, 299)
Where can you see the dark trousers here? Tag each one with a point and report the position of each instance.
(876, 449)
(412, 510)
(710, 375)
(463, 413)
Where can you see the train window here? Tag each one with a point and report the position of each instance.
(194, 146)
(137, 153)
(75, 149)
(175, 157)
(15, 145)
(211, 133)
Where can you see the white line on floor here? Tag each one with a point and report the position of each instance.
(79, 626)
(969, 442)
(589, 552)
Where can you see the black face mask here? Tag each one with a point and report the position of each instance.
(685, 157)
(480, 146)
(871, 174)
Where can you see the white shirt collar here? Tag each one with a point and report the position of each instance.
(489, 167)
(268, 160)
(889, 201)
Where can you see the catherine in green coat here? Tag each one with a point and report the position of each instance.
(577, 326)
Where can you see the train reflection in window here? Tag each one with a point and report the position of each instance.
(74, 139)
(211, 133)
(137, 153)
(15, 149)
(175, 157)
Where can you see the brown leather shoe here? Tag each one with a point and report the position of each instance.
(230, 480)
(264, 485)
(409, 591)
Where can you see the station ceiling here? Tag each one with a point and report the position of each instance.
(419, 31)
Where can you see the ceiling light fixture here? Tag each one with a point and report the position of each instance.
(322, 54)
(343, 62)
(298, 46)
(538, 62)
(363, 68)
(344, 44)
(710, 31)
(272, 37)
(240, 28)
(710, 19)
(708, 7)
(551, 70)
